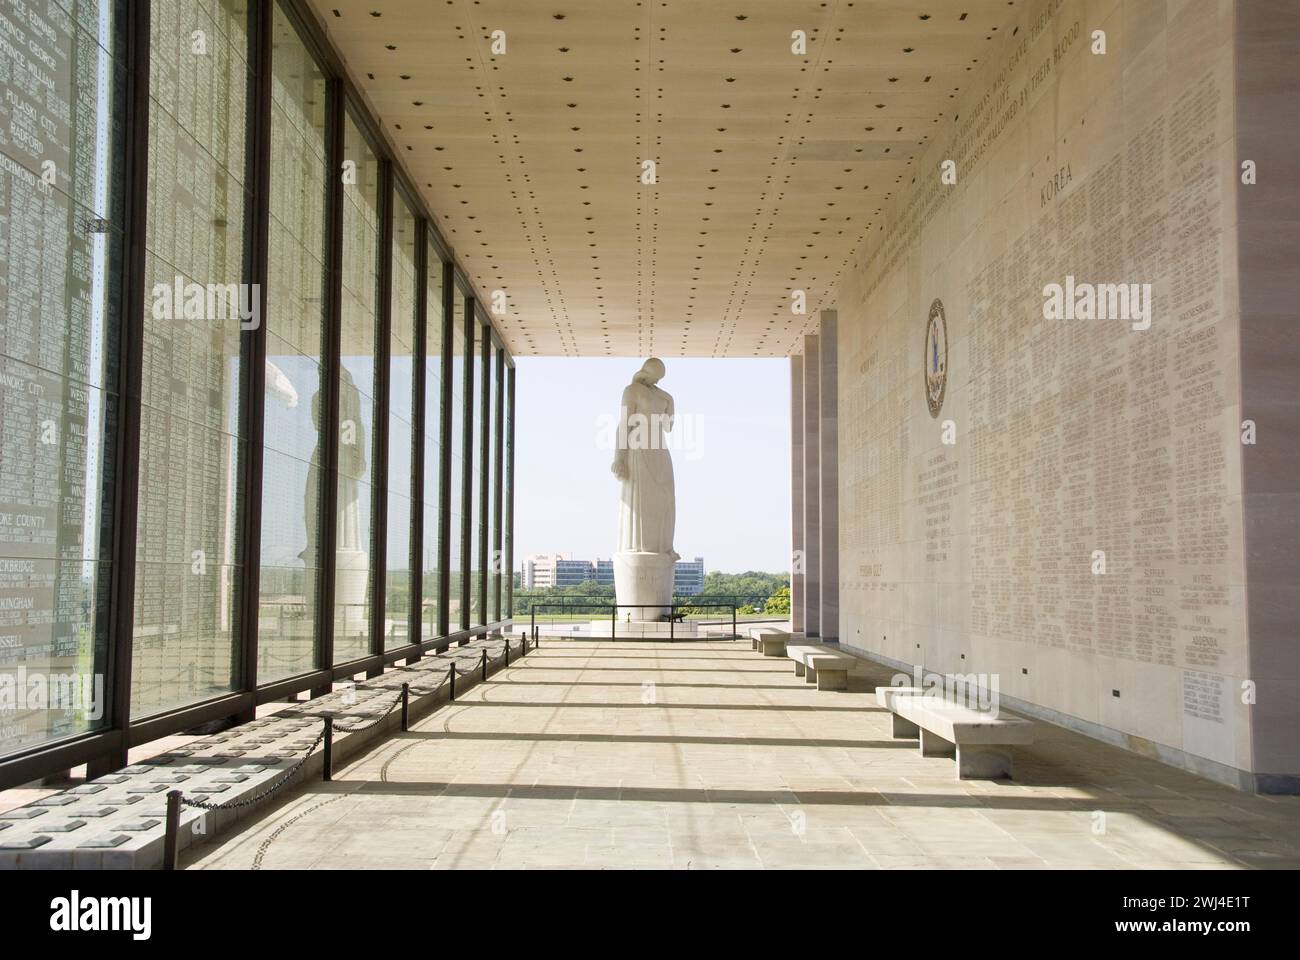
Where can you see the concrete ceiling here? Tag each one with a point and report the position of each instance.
(771, 166)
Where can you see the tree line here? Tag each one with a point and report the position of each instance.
(755, 592)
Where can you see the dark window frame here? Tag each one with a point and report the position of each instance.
(105, 749)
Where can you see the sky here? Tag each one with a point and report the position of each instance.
(730, 448)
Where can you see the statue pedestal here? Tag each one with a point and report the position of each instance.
(351, 577)
(644, 578)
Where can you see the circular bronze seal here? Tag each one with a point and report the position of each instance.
(936, 358)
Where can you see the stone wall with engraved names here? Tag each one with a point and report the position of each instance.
(1069, 519)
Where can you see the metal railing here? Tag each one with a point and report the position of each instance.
(756, 601)
(672, 620)
(176, 799)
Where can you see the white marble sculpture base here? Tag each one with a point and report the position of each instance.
(644, 578)
(351, 577)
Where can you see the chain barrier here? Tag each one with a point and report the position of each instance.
(287, 775)
(432, 690)
(284, 779)
(372, 724)
(505, 655)
(257, 798)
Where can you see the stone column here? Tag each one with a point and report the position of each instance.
(1268, 247)
(796, 496)
(812, 486)
(828, 479)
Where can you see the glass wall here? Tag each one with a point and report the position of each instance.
(457, 602)
(359, 331)
(68, 264)
(295, 326)
(435, 327)
(407, 237)
(61, 217)
(508, 501)
(492, 570)
(191, 448)
(481, 405)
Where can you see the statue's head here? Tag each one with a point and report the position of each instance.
(651, 372)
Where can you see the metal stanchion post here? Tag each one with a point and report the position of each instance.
(733, 622)
(406, 707)
(485, 664)
(327, 771)
(171, 843)
(451, 679)
(506, 638)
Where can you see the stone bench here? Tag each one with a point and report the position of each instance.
(824, 665)
(978, 740)
(902, 729)
(797, 652)
(830, 671)
(770, 641)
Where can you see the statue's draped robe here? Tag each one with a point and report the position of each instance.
(648, 509)
(352, 465)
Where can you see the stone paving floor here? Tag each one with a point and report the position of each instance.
(708, 755)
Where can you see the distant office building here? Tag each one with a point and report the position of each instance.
(605, 572)
(571, 573)
(547, 570)
(539, 571)
(688, 577)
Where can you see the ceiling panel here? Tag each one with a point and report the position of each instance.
(771, 166)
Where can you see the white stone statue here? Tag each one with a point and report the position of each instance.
(645, 561)
(352, 556)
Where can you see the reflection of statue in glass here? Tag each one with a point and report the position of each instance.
(351, 557)
(352, 464)
(311, 496)
(644, 465)
(645, 561)
(279, 385)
